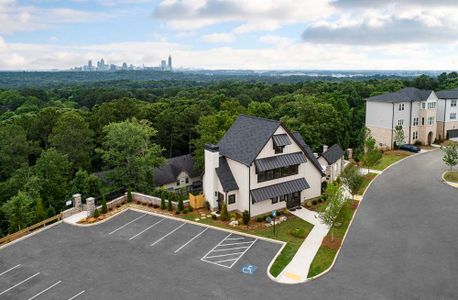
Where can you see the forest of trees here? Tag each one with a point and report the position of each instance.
(55, 141)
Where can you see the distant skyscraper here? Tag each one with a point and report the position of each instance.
(89, 65)
(170, 62)
(163, 65)
(124, 66)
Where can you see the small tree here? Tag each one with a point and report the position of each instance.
(40, 213)
(104, 205)
(169, 203)
(246, 217)
(96, 213)
(399, 138)
(224, 213)
(336, 201)
(129, 196)
(163, 206)
(51, 211)
(352, 178)
(18, 211)
(450, 155)
(180, 202)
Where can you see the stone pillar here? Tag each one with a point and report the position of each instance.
(77, 201)
(90, 204)
(350, 153)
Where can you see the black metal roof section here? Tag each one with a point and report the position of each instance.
(279, 161)
(333, 154)
(169, 172)
(405, 95)
(280, 189)
(246, 138)
(308, 151)
(281, 140)
(225, 176)
(448, 94)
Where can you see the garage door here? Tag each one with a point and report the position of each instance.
(452, 133)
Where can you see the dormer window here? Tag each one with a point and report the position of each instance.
(280, 141)
(278, 149)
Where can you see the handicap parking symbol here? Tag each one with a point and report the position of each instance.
(249, 269)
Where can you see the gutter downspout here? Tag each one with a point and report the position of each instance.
(392, 127)
(249, 190)
(443, 123)
(410, 122)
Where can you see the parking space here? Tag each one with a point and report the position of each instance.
(127, 257)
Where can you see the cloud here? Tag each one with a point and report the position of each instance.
(378, 3)
(218, 38)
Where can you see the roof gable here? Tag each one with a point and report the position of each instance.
(169, 172)
(308, 151)
(333, 154)
(448, 94)
(405, 95)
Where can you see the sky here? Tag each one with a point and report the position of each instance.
(231, 34)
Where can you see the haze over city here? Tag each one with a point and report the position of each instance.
(224, 34)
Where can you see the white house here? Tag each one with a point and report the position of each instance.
(178, 173)
(332, 160)
(414, 109)
(260, 166)
(447, 112)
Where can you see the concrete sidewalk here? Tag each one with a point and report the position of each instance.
(297, 270)
(73, 219)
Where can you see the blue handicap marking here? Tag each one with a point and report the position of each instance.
(249, 269)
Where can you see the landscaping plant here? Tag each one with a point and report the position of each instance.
(162, 200)
(129, 196)
(96, 213)
(450, 155)
(180, 202)
(353, 179)
(169, 204)
(104, 205)
(224, 213)
(246, 217)
(336, 201)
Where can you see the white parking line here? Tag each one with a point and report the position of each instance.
(228, 249)
(11, 269)
(45, 290)
(216, 246)
(146, 229)
(195, 237)
(119, 228)
(222, 255)
(18, 284)
(235, 243)
(77, 295)
(167, 234)
(235, 239)
(243, 253)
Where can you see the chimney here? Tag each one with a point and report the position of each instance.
(325, 148)
(210, 180)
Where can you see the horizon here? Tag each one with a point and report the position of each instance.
(292, 35)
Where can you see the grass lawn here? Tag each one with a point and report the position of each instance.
(366, 180)
(283, 233)
(451, 176)
(390, 157)
(328, 250)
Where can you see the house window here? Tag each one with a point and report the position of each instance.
(231, 199)
(278, 149)
(400, 122)
(187, 180)
(452, 116)
(178, 182)
(453, 103)
(415, 121)
(401, 106)
(431, 105)
(430, 120)
(283, 198)
(277, 173)
(422, 121)
(423, 105)
(415, 135)
(274, 200)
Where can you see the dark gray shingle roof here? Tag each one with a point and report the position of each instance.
(225, 176)
(280, 189)
(333, 154)
(246, 138)
(281, 139)
(448, 94)
(308, 151)
(168, 172)
(279, 161)
(405, 95)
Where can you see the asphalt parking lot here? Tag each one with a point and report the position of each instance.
(133, 256)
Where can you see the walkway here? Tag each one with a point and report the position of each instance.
(297, 270)
(73, 219)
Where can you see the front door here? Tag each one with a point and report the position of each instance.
(293, 200)
(220, 201)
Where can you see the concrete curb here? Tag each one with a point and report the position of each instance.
(30, 234)
(452, 184)
(99, 222)
(351, 221)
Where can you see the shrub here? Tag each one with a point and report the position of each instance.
(214, 217)
(177, 212)
(51, 211)
(259, 218)
(163, 201)
(417, 143)
(169, 205)
(320, 200)
(234, 216)
(129, 196)
(233, 219)
(308, 203)
(180, 206)
(185, 211)
(224, 213)
(190, 208)
(104, 206)
(314, 202)
(299, 233)
(156, 206)
(207, 205)
(246, 217)
(96, 213)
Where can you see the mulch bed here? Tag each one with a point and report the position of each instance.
(334, 244)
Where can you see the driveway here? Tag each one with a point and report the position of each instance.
(403, 244)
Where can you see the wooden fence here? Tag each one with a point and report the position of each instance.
(25, 231)
(197, 201)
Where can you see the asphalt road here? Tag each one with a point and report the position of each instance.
(403, 244)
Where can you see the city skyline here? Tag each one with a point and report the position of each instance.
(231, 34)
(101, 66)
